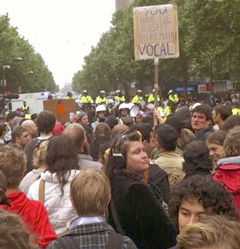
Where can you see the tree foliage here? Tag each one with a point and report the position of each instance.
(209, 34)
(28, 70)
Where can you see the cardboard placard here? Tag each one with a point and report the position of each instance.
(61, 108)
(156, 32)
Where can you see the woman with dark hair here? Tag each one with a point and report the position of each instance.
(196, 159)
(196, 195)
(102, 134)
(215, 145)
(62, 167)
(135, 211)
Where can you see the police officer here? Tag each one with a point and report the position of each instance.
(86, 99)
(101, 113)
(25, 108)
(101, 99)
(151, 97)
(69, 95)
(173, 97)
(138, 97)
(120, 97)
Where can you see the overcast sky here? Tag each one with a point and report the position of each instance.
(62, 31)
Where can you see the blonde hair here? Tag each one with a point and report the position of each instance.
(232, 142)
(215, 231)
(39, 154)
(13, 165)
(90, 191)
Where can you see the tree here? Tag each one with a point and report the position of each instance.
(30, 73)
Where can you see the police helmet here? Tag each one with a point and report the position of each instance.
(84, 92)
(139, 91)
(101, 108)
(124, 106)
(102, 92)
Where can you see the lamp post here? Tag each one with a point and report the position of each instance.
(19, 59)
(4, 81)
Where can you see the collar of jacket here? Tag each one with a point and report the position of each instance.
(229, 160)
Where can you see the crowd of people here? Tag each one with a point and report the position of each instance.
(144, 179)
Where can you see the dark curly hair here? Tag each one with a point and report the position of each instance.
(213, 196)
(61, 158)
(196, 158)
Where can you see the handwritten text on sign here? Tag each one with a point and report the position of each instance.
(156, 32)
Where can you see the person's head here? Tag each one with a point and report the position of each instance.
(14, 233)
(198, 194)
(3, 130)
(111, 121)
(3, 189)
(123, 110)
(150, 109)
(101, 111)
(84, 92)
(46, 122)
(210, 232)
(13, 165)
(196, 158)
(118, 129)
(77, 134)
(201, 117)
(166, 137)
(231, 143)
(39, 154)
(62, 157)
(128, 120)
(102, 93)
(83, 118)
(34, 117)
(102, 130)
(185, 137)
(148, 136)
(175, 122)
(90, 193)
(31, 127)
(139, 92)
(10, 117)
(138, 118)
(148, 120)
(16, 122)
(127, 153)
(215, 142)
(220, 113)
(20, 137)
(231, 122)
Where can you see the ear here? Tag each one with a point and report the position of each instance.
(145, 142)
(72, 201)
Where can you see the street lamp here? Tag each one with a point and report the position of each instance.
(4, 81)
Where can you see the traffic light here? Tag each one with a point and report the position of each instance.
(208, 86)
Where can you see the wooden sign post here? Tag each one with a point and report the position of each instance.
(156, 35)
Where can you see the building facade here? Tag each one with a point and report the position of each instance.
(121, 4)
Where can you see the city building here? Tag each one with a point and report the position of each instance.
(121, 4)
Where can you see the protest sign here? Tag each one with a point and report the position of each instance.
(156, 32)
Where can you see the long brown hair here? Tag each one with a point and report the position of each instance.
(62, 157)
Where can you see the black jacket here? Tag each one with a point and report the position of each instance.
(139, 213)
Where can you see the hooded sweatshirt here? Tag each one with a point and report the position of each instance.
(228, 173)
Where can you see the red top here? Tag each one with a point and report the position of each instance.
(229, 175)
(34, 214)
